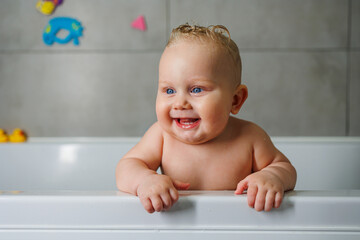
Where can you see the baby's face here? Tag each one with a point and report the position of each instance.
(195, 93)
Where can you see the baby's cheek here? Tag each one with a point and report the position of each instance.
(217, 118)
(162, 114)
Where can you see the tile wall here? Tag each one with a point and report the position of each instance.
(301, 63)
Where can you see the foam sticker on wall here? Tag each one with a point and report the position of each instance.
(139, 23)
(72, 25)
(47, 7)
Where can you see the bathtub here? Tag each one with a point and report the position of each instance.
(65, 189)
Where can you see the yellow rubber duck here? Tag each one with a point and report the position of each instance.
(17, 136)
(3, 137)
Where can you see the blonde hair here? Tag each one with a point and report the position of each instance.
(215, 34)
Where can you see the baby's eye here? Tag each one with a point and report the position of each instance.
(170, 91)
(197, 90)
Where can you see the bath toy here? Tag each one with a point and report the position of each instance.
(56, 24)
(57, 2)
(139, 23)
(16, 192)
(17, 136)
(45, 7)
(3, 137)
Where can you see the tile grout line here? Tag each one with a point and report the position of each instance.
(348, 73)
(167, 19)
(141, 51)
(72, 51)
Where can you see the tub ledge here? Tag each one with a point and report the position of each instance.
(212, 214)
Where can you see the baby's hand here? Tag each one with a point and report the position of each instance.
(159, 192)
(264, 190)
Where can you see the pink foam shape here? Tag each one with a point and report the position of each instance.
(139, 23)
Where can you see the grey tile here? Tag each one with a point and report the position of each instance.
(355, 23)
(110, 89)
(296, 93)
(107, 24)
(270, 23)
(354, 94)
(56, 95)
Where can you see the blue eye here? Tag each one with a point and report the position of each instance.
(170, 91)
(197, 90)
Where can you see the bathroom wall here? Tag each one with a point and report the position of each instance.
(301, 63)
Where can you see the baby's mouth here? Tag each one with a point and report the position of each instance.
(187, 123)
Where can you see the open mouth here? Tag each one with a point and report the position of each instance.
(187, 123)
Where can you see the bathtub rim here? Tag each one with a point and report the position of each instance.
(278, 139)
(209, 204)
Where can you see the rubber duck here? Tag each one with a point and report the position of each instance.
(17, 136)
(3, 137)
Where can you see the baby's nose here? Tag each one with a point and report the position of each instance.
(181, 103)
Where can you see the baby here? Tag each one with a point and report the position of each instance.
(196, 142)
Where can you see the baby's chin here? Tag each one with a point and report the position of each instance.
(192, 140)
(193, 136)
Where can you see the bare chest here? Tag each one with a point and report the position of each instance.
(207, 167)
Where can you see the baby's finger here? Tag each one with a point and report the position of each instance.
(181, 185)
(278, 199)
(174, 194)
(147, 205)
(166, 199)
(157, 203)
(270, 200)
(260, 200)
(251, 195)
(241, 187)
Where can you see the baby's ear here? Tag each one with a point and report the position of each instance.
(239, 98)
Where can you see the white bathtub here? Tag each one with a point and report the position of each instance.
(65, 189)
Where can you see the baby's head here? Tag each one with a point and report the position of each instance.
(217, 37)
(199, 83)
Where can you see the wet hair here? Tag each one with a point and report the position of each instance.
(218, 34)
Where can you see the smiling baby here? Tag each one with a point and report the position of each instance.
(195, 141)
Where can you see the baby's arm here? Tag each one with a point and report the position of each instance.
(136, 173)
(273, 174)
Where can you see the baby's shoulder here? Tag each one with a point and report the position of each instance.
(244, 125)
(248, 129)
(156, 127)
(154, 132)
